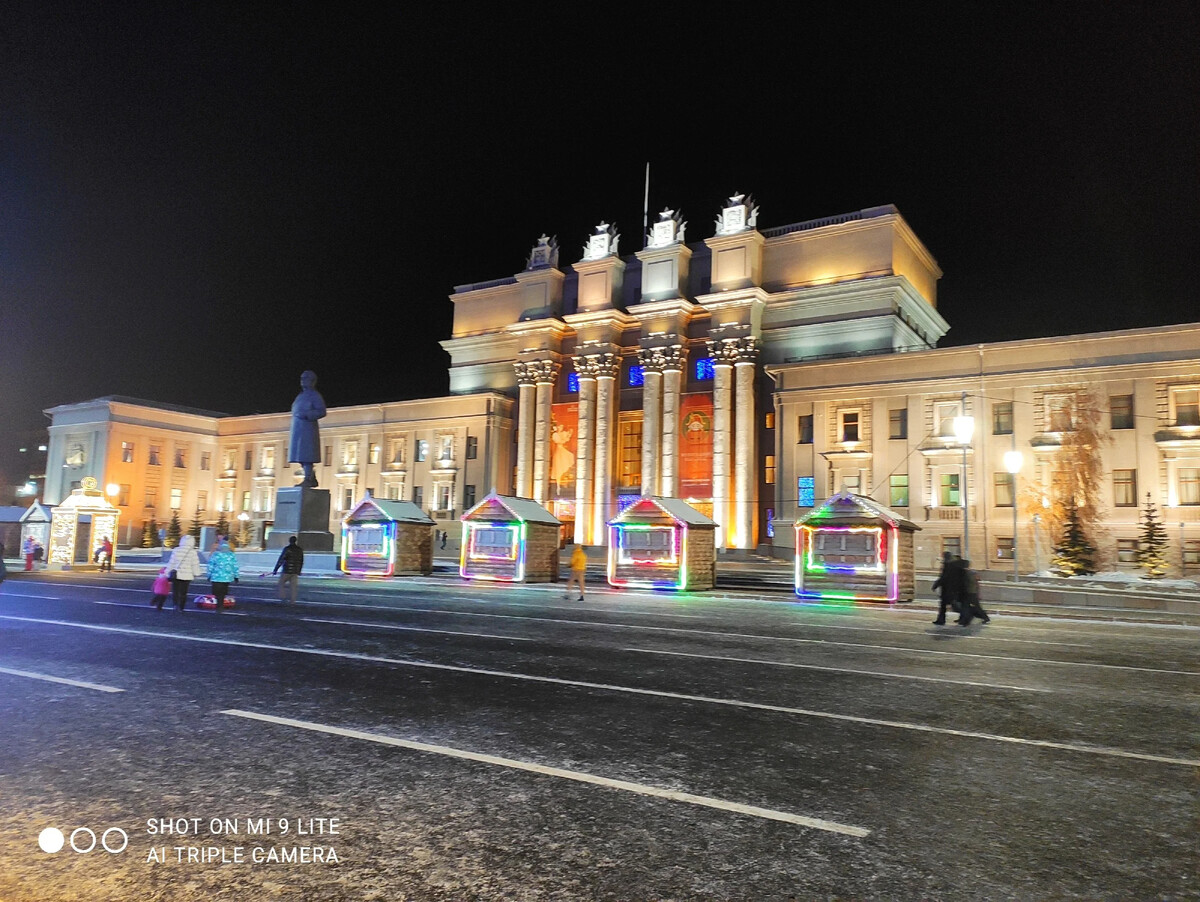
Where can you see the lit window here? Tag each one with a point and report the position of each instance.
(1004, 489)
(230, 456)
(127, 452)
(447, 452)
(1059, 413)
(176, 499)
(155, 451)
(397, 454)
(1189, 485)
(637, 375)
(350, 454)
(944, 414)
(849, 425)
(347, 498)
(769, 469)
(151, 497)
(267, 460)
(948, 494)
(704, 369)
(443, 498)
(1121, 409)
(805, 491)
(631, 454)
(374, 454)
(769, 420)
(1125, 488)
(245, 501)
(1004, 549)
(572, 383)
(1187, 407)
(422, 449)
(898, 490)
(201, 501)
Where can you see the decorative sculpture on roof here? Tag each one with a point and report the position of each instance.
(740, 214)
(603, 243)
(668, 230)
(544, 253)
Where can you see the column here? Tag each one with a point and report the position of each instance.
(745, 468)
(525, 402)
(584, 455)
(651, 420)
(722, 441)
(547, 371)
(672, 382)
(608, 369)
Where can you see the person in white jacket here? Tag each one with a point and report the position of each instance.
(185, 565)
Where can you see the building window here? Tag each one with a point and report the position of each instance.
(850, 482)
(422, 449)
(468, 497)
(806, 491)
(127, 452)
(1191, 554)
(229, 456)
(1002, 418)
(572, 383)
(1004, 489)
(447, 453)
(472, 447)
(267, 458)
(123, 496)
(1125, 488)
(349, 456)
(228, 505)
(1127, 551)
(1189, 485)
(804, 429)
(944, 414)
(202, 501)
(373, 454)
(328, 458)
(631, 454)
(418, 495)
(394, 490)
(769, 420)
(443, 497)
(155, 452)
(347, 498)
(245, 501)
(205, 460)
(1058, 413)
(1004, 548)
(704, 369)
(898, 423)
(396, 455)
(1121, 409)
(180, 459)
(948, 494)
(769, 469)
(1187, 406)
(176, 499)
(248, 461)
(637, 375)
(898, 491)
(952, 545)
(151, 496)
(848, 425)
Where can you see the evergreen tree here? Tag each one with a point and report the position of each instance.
(222, 526)
(1152, 543)
(1074, 555)
(174, 531)
(194, 532)
(149, 534)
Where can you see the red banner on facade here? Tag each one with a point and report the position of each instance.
(695, 446)
(564, 445)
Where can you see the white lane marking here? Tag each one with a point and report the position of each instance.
(561, 607)
(53, 679)
(575, 775)
(27, 595)
(414, 629)
(191, 610)
(874, 673)
(630, 690)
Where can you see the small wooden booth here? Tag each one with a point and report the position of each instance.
(35, 523)
(854, 548)
(662, 543)
(79, 524)
(510, 540)
(386, 538)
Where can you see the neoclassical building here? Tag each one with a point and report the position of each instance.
(752, 374)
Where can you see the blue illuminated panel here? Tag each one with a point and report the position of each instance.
(805, 491)
(572, 383)
(636, 375)
(704, 369)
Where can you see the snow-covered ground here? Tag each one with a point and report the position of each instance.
(1119, 578)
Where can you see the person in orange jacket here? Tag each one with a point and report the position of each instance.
(579, 562)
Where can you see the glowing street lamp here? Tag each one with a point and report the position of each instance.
(1012, 462)
(244, 538)
(964, 428)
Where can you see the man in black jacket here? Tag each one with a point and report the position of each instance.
(950, 580)
(291, 560)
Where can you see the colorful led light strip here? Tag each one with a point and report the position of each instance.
(887, 563)
(386, 553)
(518, 531)
(619, 555)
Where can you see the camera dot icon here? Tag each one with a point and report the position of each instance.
(51, 840)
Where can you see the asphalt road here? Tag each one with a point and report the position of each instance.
(445, 741)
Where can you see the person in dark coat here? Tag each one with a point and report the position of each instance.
(970, 598)
(3, 569)
(291, 561)
(950, 581)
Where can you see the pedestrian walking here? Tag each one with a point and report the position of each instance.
(106, 554)
(291, 562)
(222, 570)
(579, 562)
(161, 589)
(27, 548)
(183, 567)
(950, 581)
(970, 598)
(445, 536)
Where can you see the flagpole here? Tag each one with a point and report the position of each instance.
(646, 207)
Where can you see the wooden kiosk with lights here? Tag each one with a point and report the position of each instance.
(854, 548)
(79, 524)
(662, 543)
(510, 540)
(387, 538)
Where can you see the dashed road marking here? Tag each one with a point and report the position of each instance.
(53, 679)
(415, 629)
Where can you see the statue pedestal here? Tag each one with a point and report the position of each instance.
(303, 513)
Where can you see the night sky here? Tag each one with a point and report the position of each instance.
(198, 203)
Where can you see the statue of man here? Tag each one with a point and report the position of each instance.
(304, 443)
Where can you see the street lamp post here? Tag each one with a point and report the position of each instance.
(964, 428)
(1012, 463)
